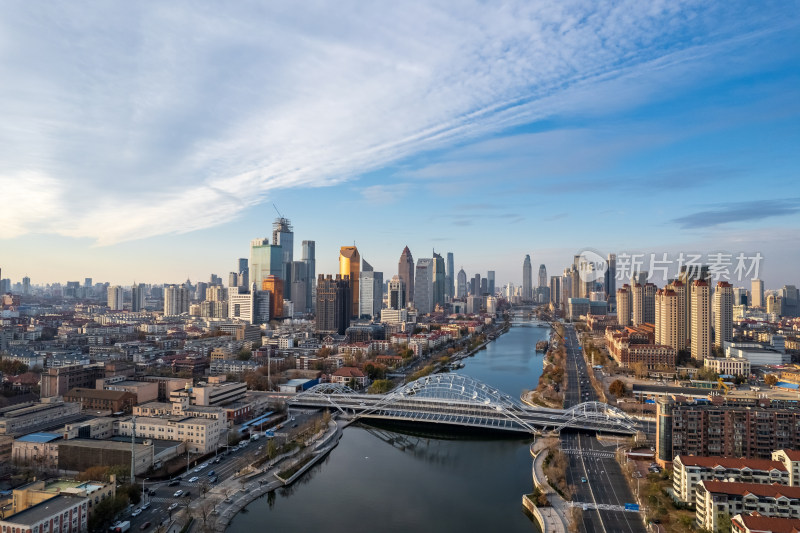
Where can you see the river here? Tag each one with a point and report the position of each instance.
(393, 480)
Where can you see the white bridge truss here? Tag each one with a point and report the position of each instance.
(459, 400)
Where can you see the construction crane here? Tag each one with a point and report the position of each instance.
(721, 385)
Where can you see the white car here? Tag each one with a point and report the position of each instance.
(193, 479)
(136, 512)
(204, 465)
(173, 506)
(177, 494)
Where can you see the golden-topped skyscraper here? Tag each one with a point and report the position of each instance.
(350, 265)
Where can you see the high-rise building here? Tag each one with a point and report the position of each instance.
(251, 306)
(350, 265)
(774, 305)
(701, 320)
(233, 280)
(610, 279)
(300, 287)
(451, 276)
(283, 236)
(643, 304)
(757, 292)
(309, 258)
(176, 300)
(87, 283)
(334, 305)
(476, 285)
(26, 285)
(137, 298)
(650, 303)
(243, 279)
(484, 287)
(216, 293)
(405, 269)
(542, 276)
(423, 290)
(790, 301)
(397, 293)
(370, 289)
(669, 319)
(461, 288)
(490, 286)
(624, 306)
(265, 260)
(527, 279)
(115, 298)
(555, 291)
(439, 280)
(274, 285)
(688, 275)
(723, 313)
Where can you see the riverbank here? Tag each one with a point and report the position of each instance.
(552, 519)
(221, 504)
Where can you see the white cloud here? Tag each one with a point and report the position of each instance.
(152, 118)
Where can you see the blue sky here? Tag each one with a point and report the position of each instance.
(148, 141)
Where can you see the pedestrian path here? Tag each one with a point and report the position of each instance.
(588, 453)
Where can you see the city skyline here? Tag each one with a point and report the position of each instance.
(117, 160)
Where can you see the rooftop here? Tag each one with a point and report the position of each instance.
(48, 508)
(756, 522)
(756, 489)
(39, 437)
(732, 462)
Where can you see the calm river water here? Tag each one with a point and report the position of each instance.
(395, 480)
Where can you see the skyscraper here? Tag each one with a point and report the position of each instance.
(757, 292)
(370, 289)
(397, 293)
(115, 298)
(451, 276)
(274, 285)
(527, 279)
(461, 288)
(137, 298)
(350, 265)
(176, 300)
(334, 305)
(405, 269)
(701, 320)
(283, 236)
(301, 286)
(249, 304)
(688, 275)
(542, 276)
(624, 307)
(490, 287)
(309, 258)
(265, 260)
(610, 278)
(669, 319)
(439, 281)
(26, 285)
(555, 291)
(423, 289)
(243, 279)
(723, 313)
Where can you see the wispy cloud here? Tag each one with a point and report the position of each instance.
(171, 117)
(385, 194)
(740, 212)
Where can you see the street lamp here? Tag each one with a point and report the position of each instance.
(143, 492)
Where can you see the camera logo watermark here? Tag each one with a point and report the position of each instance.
(713, 266)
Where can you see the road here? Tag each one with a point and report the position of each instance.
(158, 511)
(589, 459)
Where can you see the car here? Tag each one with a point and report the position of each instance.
(583, 480)
(193, 479)
(197, 470)
(145, 506)
(144, 526)
(212, 479)
(204, 465)
(187, 494)
(211, 473)
(177, 493)
(228, 500)
(174, 483)
(217, 460)
(173, 506)
(136, 512)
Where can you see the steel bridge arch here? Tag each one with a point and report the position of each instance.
(328, 392)
(598, 411)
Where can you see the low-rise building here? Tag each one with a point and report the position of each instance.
(96, 428)
(29, 417)
(76, 455)
(689, 470)
(39, 491)
(64, 513)
(349, 375)
(755, 523)
(715, 499)
(102, 400)
(201, 435)
(791, 461)
(36, 449)
(732, 366)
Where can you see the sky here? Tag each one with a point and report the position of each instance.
(151, 141)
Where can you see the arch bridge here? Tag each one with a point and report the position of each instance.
(458, 400)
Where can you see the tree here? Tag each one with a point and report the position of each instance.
(639, 369)
(94, 473)
(244, 354)
(770, 379)
(617, 388)
(380, 386)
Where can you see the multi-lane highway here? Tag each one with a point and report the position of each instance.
(592, 470)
